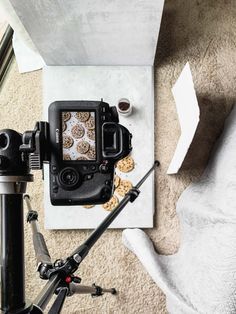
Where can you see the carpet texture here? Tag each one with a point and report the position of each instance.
(203, 33)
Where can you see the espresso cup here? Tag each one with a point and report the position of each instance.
(124, 107)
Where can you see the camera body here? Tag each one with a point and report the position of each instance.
(85, 143)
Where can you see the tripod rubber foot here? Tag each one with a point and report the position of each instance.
(157, 163)
(113, 291)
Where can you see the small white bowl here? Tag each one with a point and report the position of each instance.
(124, 107)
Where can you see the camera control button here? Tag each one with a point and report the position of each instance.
(106, 193)
(103, 168)
(69, 177)
(54, 180)
(54, 168)
(93, 167)
(55, 189)
(89, 176)
(85, 167)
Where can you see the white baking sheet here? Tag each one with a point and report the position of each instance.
(111, 84)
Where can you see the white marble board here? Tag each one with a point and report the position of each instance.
(110, 83)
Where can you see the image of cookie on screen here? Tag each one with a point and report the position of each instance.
(78, 135)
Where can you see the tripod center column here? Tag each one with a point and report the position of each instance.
(12, 253)
(14, 175)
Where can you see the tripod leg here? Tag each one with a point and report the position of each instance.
(58, 303)
(94, 290)
(41, 251)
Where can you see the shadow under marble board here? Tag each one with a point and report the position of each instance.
(110, 83)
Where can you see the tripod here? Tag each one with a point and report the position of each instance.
(14, 176)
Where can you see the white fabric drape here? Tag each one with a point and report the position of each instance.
(201, 277)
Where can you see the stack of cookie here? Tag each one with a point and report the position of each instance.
(122, 186)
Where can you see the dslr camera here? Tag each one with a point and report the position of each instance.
(85, 142)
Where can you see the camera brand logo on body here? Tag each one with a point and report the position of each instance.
(57, 136)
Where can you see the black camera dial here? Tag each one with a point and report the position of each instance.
(69, 177)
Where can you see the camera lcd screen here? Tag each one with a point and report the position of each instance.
(78, 135)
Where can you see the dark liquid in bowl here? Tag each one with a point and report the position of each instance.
(123, 106)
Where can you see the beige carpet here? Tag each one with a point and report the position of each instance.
(202, 32)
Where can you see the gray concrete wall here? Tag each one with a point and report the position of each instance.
(102, 32)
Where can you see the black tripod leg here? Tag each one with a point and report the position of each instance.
(47, 292)
(58, 303)
(80, 253)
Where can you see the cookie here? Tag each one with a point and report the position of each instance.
(83, 147)
(91, 153)
(82, 116)
(126, 164)
(67, 141)
(82, 158)
(91, 134)
(111, 204)
(88, 206)
(117, 180)
(90, 124)
(66, 157)
(64, 126)
(66, 116)
(124, 187)
(77, 131)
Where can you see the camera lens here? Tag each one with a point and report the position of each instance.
(69, 177)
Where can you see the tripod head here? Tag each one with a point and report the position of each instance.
(14, 170)
(35, 146)
(11, 162)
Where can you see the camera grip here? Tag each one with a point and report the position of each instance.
(40, 248)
